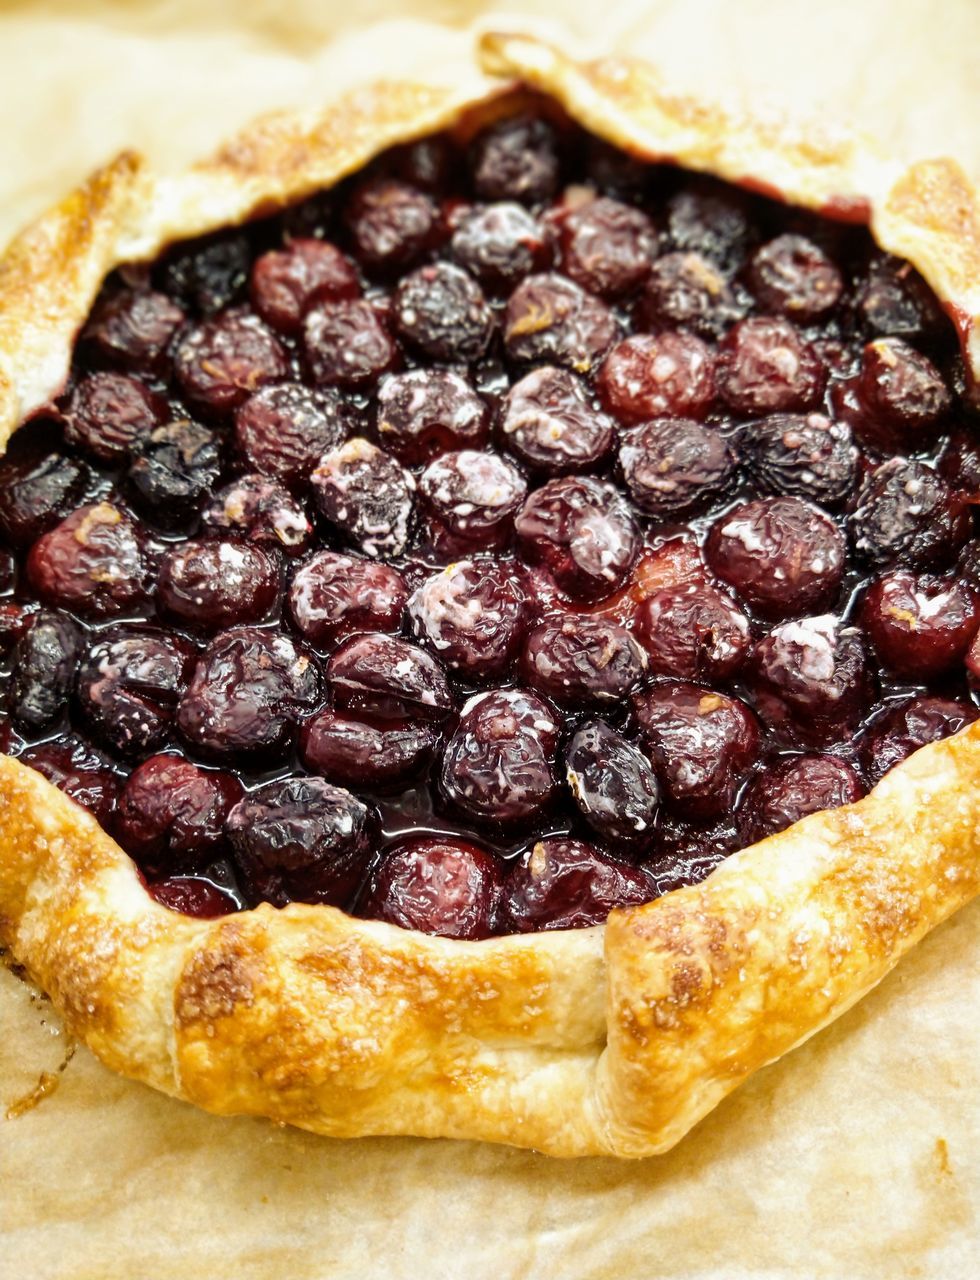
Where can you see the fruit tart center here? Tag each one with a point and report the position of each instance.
(508, 535)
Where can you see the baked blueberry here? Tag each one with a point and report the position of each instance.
(301, 839)
(583, 532)
(550, 319)
(246, 695)
(498, 766)
(284, 430)
(568, 884)
(93, 563)
(442, 886)
(703, 744)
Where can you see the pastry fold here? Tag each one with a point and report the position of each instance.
(612, 1040)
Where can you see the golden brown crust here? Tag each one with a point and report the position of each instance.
(305, 1015)
(611, 1040)
(710, 983)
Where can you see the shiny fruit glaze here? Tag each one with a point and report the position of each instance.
(508, 535)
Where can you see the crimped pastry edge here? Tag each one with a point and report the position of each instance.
(613, 1040)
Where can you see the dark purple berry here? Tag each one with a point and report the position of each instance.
(172, 812)
(441, 313)
(285, 281)
(221, 362)
(192, 896)
(213, 585)
(129, 684)
(500, 244)
(108, 413)
(606, 246)
(550, 319)
(516, 159)
(711, 220)
(686, 855)
(703, 743)
(675, 466)
(812, 681)
(498, 767)
(907, 514)
(39, 489)
(920, 626)
(793, 788)
(260, 511)
(791, 276)
(92, 563)
(470, 499)
(174, 467)
(898, 399)
(782, 555)
(899, 730)
(901, 387)
(471, 615)
(582, 661)
(693, 631)
(284, 430)
(42, 672)
(894, 301)
(367, 496)
(687, 291)
(333, 595)
(804, 457)
(346, 344)
(548, 422)
(567, 884)
(391, 223)
(357, 751)
(437, 885)
(582, 531)
(301, 839)
(670, 374)
(764, 366)
(613, 785)
(209, 273)
(134, 328)
(427, 412)
(385, 677)
(83, 774)
(248, 691)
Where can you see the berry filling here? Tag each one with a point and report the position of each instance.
(508, 536)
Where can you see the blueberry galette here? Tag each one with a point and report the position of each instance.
(491, 617)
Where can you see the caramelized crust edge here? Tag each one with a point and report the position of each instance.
(611, 1040)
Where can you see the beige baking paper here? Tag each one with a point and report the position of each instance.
(855, 1157)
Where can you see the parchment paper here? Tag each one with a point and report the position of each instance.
(853, 1158)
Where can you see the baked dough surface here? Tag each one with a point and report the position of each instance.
(611, 1040)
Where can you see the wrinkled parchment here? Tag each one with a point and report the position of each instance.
(855, 1156)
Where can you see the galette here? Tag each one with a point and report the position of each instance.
(489, 604)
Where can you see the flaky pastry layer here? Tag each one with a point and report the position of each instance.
(612, 1040)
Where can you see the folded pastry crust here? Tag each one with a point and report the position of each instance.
(611, 1040)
